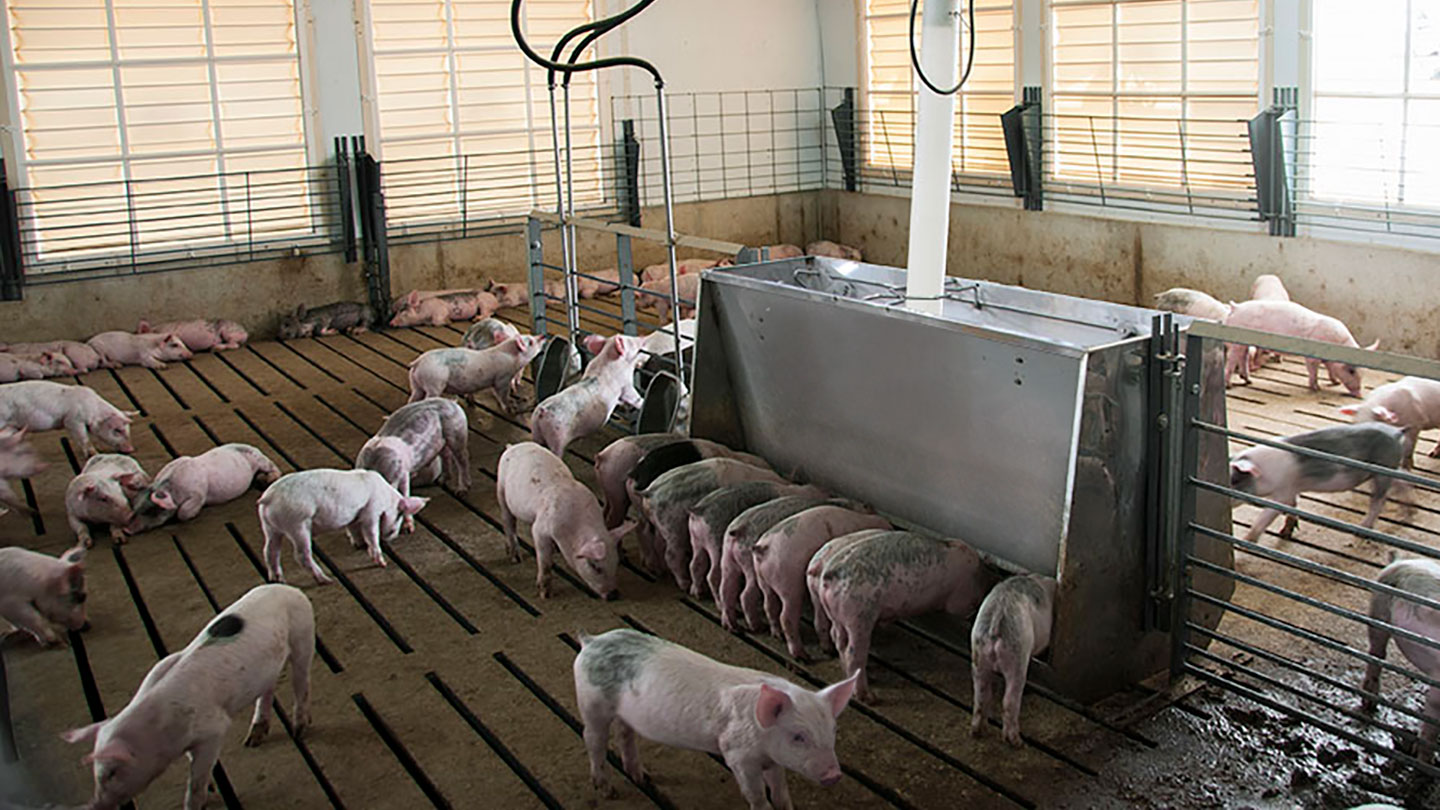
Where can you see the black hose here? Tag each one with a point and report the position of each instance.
(597, 29)
(614, 61)
(915, 58)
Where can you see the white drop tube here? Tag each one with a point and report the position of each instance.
(934, 141)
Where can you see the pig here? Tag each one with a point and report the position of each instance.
(812, 584)
(44, 405)
(38, 591)
(81, 356)
(186, 702)
(656, 295)
(598, 282)
(189, 483)
(488, 332)
(614, 464)
(1280, 475)
(1422, 578)
(661, 342)
(350, 317)
(404, 301)
(1268, 287)
(14, 367)
(1289, 318)
(758, 723)
(1410, 403)
(834, 250)
(533, 485)
(101, 494)
(466, 371)
(413, 444)
(683, 267)
(710, 521)
(1193, 303)
(783, 553)
(887, 576)
(666, 502)
(739, 587)
(302, 504)
(585, 406)
(18, 459)
(442, 309)
(1013, 624)
(118, 349)
(511, 294)
(778, 252)
(201, 335)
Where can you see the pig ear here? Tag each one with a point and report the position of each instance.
(162, 500)
(593, 343)
(592, 550)
(128, 415)
(75, 556)
(1384, 414)
(1244, 465)
(411, 506)
(623, 529)
(74, 578)
(771, 704)
(1373, 346)
(1349, 410)
(84, 734)
(142, 328)
(838, 695)
(412, 299)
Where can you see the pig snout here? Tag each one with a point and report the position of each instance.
(831, 776)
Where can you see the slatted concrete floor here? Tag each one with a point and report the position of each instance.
(444, 680)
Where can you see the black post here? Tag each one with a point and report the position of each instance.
(843, 117)
(346, 208)
(1272, 135)
(374, 249)
(12, 253)
(629, 172)
(1024, 147)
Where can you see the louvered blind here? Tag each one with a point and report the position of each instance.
(133, 109)
(464, 117)
(890, 89)
(1153, 92)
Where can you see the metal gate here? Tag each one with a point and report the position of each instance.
(1299, 631)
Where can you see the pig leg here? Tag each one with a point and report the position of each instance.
(1380, 490)
(855, 651)
(982, 678)
(649, 551)
(203, 755)
(1434, 451)
(273, 539)
(79, 434)
(699, 564)
(1312, 367)
(675, 559)
(630, 753)
(597, 717)
(729, 588)
(822, 618)
(302, 650)
(507, 520)
(779, 789)
(1262, 522)
(117, 535)
(750, 599)
(1014, 691)
(1379, 640)
(10, 499)
(370, 533)
(260, 723)
(544, 559)
(789, 624)
(189, 508)
(82, 531)
(300, 544)
(27, 618)
(749, 776)
(459, 452)
(772, 605)
(716, 573)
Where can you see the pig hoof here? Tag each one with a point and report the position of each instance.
(1014, 740)
(695, 592)
(257, 734)
(977, 727)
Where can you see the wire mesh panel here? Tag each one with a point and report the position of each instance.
(1378, 177)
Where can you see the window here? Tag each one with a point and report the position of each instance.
(1376, 104)
(132, 110)
(890, 89)
(464, 120)
(1153, 92)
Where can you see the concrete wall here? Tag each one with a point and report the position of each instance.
(256, 293)
(1380, 292)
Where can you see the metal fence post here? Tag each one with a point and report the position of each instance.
(625, 262)
(1179, 506)
(12, 252)
(536, 254)
(629, 174)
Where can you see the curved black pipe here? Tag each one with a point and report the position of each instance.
(614, 61)
(598, 28)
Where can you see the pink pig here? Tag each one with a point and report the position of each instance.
(185, 703)
(101, 494)
(44, 405)
(589, 287)
(81, 356)
(13, 367)
(18, 459)
(614, 464)
(586, 405)
(1410, 403)
(535, 486)
(199, 334)
(1289, 318)
(656, 295)
(466, 371)
(189, 483)
(834, 250)
(514, 294)
(125, 349)
(38, 591)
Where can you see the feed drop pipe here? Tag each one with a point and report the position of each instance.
(934, 142)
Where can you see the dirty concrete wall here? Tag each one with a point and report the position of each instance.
(1379, 292)
(256, 293)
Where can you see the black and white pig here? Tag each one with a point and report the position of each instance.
(418, 443)
(1013, 624)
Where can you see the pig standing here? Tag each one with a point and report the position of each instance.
(1289, 318)
(42, 405)
(118, 349)
(667, 501)
(101, 494)
(38, 591)
(656, 295)
(185, 703)
(201, 335)
(1268, 287)
(739, 587)
(488, 332)
(759, 723)
(18, 459)
(442, 309)
(887, 576)
(465, 371)
(533, 485)
(585, 406)
(708, 534)
(614, 463)
(1281, 475)
(1013, 624)
(783, 553)
(81, 356)
(834, 250)
(415, 442)
(1422, 578)
(350, 317)
(302, 504)
(708, 519)
(1193, 303)
(189, 483)
(1410, 403)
